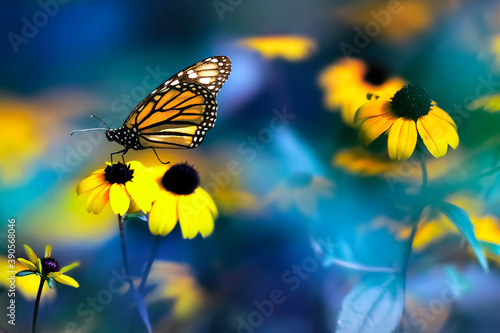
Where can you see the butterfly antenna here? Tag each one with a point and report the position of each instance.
(158, 157)
(86, 130)
(92, 116)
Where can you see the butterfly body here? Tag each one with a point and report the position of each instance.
(179, 112)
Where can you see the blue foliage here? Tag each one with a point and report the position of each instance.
(373, 305)
(462, 221)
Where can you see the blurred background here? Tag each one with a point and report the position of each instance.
(309, 211)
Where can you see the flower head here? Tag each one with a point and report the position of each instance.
(182, 199)
(47, 268)
(119, 184)
(406, 115)
(347, 82)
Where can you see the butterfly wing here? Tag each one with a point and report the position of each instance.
(179, 112)
(179, 117)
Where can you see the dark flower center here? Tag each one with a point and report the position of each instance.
(181, 179)
(299, 180)
(375, 74)
(49, 265)
(118, 173)
(411, 102)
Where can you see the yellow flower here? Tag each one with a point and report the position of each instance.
(360, 161)
(397, 21)
(182, 199)
(435, 227)
(291, 48)
(26, 286)
(495, 47)
(176, 283)
(301, 190)
(119, 184)
(408, 114)
(47, 268)
(489, 103)
(347, 81)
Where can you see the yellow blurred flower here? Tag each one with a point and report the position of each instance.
(47, 268)
(27, 285)
(25, 142)
(348, 80)
(302, 191)
(406, 115)
(495, 48)
(175, 282)
(291, 48)
(182, 199)
(432, 228)
(119, 184)
(394, 20)
(360, 161)
(489, 103)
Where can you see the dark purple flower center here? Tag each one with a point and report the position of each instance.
(375, 74)
(49, 265)
(181, 179)
(411, 102)
(118, 173)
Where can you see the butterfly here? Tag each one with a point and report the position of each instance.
(178, 113)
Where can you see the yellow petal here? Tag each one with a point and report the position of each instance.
(90, 183)
(163, 215)
(207, 199)
(194, 217)
(438, 112)
(119, 198)
(98, 199)
(143, 190)
(39, 265)
(66, 280)
(138, 167)
(31, 255)
(372, 109)
(402, 139)
(48, 250)
(437, 134)
(373, 127)
(71, 266)
(28, 264)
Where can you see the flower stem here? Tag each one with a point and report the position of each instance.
(152, 256)
(124, 247)
(414, 219)
(37, 302)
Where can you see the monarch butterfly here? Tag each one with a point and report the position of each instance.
(178, 113)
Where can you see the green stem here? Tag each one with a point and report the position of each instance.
(415, 219)
(152, 256)
(124, 248)
(37, 303)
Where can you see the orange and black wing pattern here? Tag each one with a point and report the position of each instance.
(179, 112)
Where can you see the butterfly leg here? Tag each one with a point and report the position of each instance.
(158, 157)
(123, 152)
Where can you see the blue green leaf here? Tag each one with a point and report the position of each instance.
(373, 305)
(462, 221)
(25, 273)
(490, 247)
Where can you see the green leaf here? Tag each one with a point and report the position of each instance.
(373, 305)
(462, 221)
(24, 273)
(490, 247)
